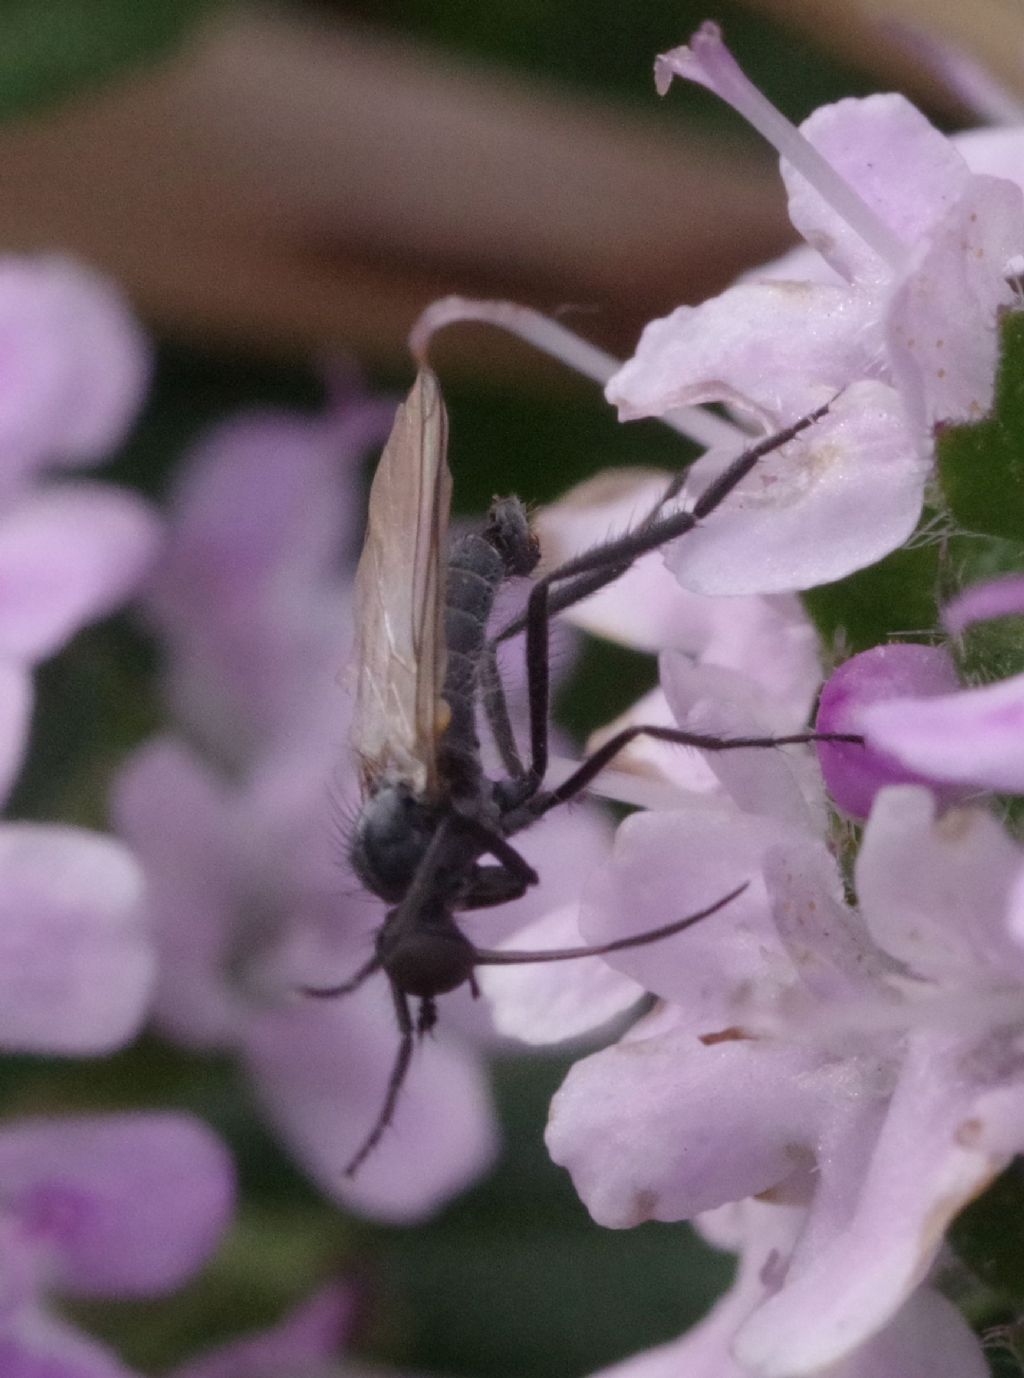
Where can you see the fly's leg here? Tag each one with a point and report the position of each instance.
(485, 957)
(395, 1083)
(583, 575)
(496, 710)
(599, 759)
(347, 987)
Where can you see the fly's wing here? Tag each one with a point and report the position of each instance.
(399, 600)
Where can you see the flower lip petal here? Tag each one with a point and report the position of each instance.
(973, 738)
(897, 162)
(819, 337)
(838, 498)
(616, 1124)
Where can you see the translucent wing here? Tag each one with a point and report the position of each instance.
(399, 600)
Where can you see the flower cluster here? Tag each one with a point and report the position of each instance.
(821, 1085)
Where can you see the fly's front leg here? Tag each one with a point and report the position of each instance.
(395, 1081)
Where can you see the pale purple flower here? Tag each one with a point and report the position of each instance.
(969, 737)
(899, 321)
(100, 1206)
(865, 1066)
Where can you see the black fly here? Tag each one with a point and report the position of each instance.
(430, 815)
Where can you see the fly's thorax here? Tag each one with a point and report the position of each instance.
(508, 531)
(392, 833)
(423, 952)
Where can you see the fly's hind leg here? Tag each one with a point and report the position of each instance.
(395, 1082)
(346, 987)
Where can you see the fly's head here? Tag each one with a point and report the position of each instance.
(508, 530)
(392, 833)
(423, 953)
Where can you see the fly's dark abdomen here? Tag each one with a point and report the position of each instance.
(477, 565)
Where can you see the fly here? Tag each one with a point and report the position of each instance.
(433, 834)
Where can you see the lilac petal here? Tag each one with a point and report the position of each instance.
(308, 1337)
(69, 555)
(828, 943)
(708, 61)
(974, 737)
(178, 817)
(854, 773)
(650, 759)
(705, 1351)
(995, 152)
(15, 715)
(662, 1128)
(927, 1338)
(838, 498)
(934, 893)
(778, 350)
(942, 320)
(902, 167)
(982, 602)
(125, 1205)
(76, 962)
(666, 865)
(721, 703)
(843, 1290)
(548, 1002)
(75, 364)
(321, 1069)
(36, 1345)
(769, 639)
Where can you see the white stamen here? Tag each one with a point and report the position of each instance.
(708, 61)
(704, 428)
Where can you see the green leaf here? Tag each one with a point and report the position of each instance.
(896, 597)
(49, 51)
(981, 466)
(989, 1235)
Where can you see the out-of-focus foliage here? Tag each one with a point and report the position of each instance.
(49, 51)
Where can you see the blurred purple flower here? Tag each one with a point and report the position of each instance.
(75, 366)
(76, 962)
(302, 1343)
(252, 596)
(101, 1206)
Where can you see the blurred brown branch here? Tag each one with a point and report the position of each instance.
(287, 186)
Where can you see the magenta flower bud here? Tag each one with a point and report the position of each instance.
(855, 773)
